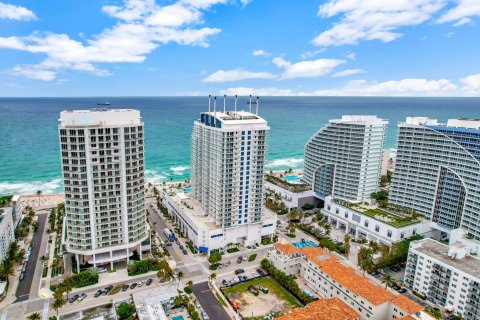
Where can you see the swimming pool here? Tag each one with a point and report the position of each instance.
(305, 244)
(291, 178)
(187, 190)
(177, 318)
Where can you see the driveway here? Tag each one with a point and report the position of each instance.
(24, 286)
(209, 302)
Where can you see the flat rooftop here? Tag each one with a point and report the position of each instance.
(193, 209)
(99, 117)
(362, 119)
(235, 117)
(439, 251)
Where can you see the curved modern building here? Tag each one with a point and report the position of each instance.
(344, 158)
(437, 171)
(102, 154)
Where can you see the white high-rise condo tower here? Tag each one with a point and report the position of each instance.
(437, 172)
(344, 158)
(229, 151)
(103, 168)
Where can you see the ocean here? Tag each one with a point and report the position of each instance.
(29, 150)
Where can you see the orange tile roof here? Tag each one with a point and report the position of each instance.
(406, 304)
(347, 277)
(323, 309)
(406, 318)
(287, 248)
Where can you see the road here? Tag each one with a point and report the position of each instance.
(209, 302)
(23, 290)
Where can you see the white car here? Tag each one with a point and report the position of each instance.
(102, 270)
(244, 258)
(254, 274)
(141, 283)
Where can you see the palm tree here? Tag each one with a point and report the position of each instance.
(57, 304)
(346, 244)
(34, 316)
(328, 229)
(374, 246)
(180, 275)
(387, 280)
(212, 276)
(190, 283)
(43, 259)
(6, 269)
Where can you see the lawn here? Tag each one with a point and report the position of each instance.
(278, 300)
(396, 221)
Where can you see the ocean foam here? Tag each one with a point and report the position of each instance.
(287, 162)
(179, 170)
(47, 187)
(153, 176)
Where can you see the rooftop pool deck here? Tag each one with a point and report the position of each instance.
(177, 318)
(305, 244)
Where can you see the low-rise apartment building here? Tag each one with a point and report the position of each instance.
(330, 278)
(374, 224)
(447, 276)
(323, 309)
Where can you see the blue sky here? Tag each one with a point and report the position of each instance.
(262, 47)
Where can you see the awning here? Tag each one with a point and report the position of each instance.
(202, 249)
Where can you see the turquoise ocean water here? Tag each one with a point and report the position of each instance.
(29, 151)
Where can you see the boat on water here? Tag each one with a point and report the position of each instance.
(106, 103)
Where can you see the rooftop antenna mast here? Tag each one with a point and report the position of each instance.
(215, 110)
(224, 103)
(258, 100)
(250, 105)
(235, 105)
(209, 98)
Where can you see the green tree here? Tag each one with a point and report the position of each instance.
(346, 244)
(190, 284)
(180, 275)
(6, 269)
(387, 280)
(34, 316)
(212, 276)
(125, 311)
(58, 302)
(215, 257)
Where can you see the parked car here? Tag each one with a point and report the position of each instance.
(224, 282)
(107, 289)
(402, 290)
(184, 252)
(205, 316)
(102, 270)
(133, 285)
(261, 272)
(177, 242)
(198, 305)
(244, 258)
(253, 247)
(169, 244)
(98, 293)
(149, 282)
(227, 264)
(82, 296)
(239, 260)
(395, 268)
(22, 275)
(181, 247)
(125, 287)
(254, 274)
(238, 271)
(240, 278)
(73, 299)
(141, 283)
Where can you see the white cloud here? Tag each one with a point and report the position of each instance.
(348, 72)
(307, 68)
(462, 22)
(260, 53)
(237, 74)
(471, 84)
(351, 56)
(468, 86)
(310, 54)
(245, 91)
(143, 26)
(10, 11)
(450, 34)
(462, 12)
(245, 2)
(372, 20)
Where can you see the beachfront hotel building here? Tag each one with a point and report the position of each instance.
(7, 230)
(102, 153)
(437, 172)
(344, 158)
(226, 203)
(330, 278)
(446, 276)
